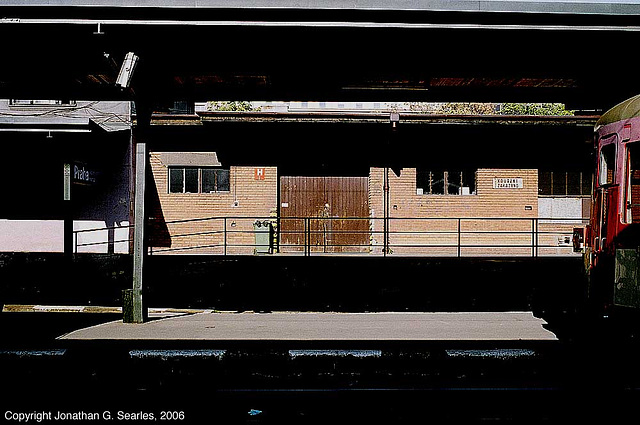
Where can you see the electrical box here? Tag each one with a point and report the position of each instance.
(263, 231)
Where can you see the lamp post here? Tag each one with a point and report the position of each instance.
(133, 309)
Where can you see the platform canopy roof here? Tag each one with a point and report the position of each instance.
(494, 51)
(528, 6)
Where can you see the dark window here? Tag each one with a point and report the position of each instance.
(215, 180)
(176, 180)
(222, 180)
(573, 183)
(208, 180)
(587, 183)
(198, 180)
(183, 180)
(183, 107)
(191, 180)
(564, 183)
(544, 183)
(560, 183)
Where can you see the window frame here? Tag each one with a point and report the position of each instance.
(603, 171)
(424, 181)
(200, 179)
(216, 171)
(569, 179)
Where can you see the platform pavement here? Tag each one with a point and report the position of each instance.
(314, 326)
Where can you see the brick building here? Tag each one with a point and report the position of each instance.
(200, 207)
(191, 188)
(197, 204)
(500, 216)
(419, 220)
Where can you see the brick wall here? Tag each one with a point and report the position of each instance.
(255, 198)
(419, 224)
(509, 210)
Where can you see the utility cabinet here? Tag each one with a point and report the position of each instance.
(263, 231)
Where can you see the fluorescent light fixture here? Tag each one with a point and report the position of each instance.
(126, 70)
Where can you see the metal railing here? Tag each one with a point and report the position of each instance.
(371, 236)
(96, 239)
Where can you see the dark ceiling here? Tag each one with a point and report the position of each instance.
(582, 60)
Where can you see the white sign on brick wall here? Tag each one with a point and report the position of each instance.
(507, 183)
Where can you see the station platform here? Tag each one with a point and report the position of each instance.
(313, 326)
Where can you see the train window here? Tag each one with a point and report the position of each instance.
(632, 200)
(607, 164)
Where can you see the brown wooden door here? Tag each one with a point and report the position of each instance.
(327, 214)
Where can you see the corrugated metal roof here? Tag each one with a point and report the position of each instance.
(630, 108)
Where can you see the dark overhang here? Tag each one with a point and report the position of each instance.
(493, 51)
(502, 6)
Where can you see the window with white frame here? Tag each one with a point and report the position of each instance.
(198, 180)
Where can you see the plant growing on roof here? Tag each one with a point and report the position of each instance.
(233, 106)
(535, 109)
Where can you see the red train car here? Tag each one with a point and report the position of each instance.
(612, 239)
